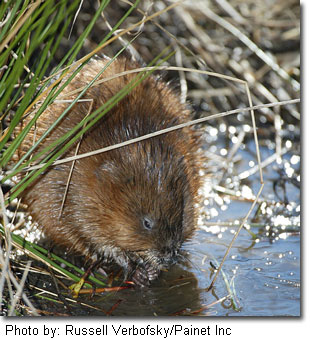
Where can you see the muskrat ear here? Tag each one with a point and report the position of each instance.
(147, 223)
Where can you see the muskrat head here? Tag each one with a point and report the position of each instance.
(146, 209)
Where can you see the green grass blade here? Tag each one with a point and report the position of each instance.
(17, 68)
(9, 22)
(50, 258)
(79, 43)
(63, 114)
(89, 121)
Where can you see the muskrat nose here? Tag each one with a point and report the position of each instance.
(169, 256)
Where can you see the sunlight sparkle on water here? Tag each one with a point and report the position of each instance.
(295, 159)
(223, 152)
(246, 192)
(281, 220)
(288, 144)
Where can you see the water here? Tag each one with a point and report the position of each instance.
(265, 276)
(261, 275)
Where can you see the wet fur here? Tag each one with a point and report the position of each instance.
(112, 194)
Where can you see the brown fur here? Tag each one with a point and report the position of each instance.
(112, 194)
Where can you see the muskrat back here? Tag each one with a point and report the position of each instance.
(135, 204)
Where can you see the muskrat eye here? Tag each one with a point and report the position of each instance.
(147, 223)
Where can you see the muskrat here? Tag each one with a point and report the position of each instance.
(136, 204)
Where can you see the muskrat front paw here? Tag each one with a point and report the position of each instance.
(144, 275)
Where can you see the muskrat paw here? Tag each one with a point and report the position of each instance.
(144, 274)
